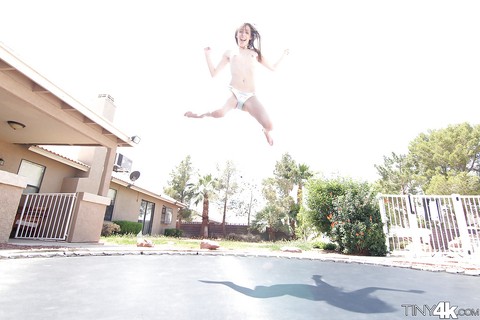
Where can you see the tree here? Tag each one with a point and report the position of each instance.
(447, 153)
(227, 186)
(437, 161)
(306, 229)
(454, 149)
(286, 173)
(180, 187)
(248, 200)
(289, 175)
(397, 175)
(302, 175)
(269, 220)
(461, 183)
(203, 191)
(272, 217)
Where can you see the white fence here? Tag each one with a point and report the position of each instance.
(431, 224)
(45, 216)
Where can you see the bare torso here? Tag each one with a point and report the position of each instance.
(242, 68)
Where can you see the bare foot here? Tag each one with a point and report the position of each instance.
(190, 114)
(268, 136)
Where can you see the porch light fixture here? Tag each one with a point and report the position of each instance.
(135, 139)
(15, 125)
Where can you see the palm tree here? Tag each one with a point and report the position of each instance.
(202, 192)
(301, 174)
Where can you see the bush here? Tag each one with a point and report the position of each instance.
(172, 232)
(347, 212)
(356, 223)
(329, 246)
(305, 229)
(109, 228)
(324, 245)
(129, 227)
(244, 237)
(360, 238)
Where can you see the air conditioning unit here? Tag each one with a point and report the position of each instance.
(122, 163)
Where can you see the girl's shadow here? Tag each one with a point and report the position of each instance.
(357, 301)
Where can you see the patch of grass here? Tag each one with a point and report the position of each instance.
(119, 239)
(129, 239)
(187, 243)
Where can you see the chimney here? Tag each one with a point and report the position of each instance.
(106, 106)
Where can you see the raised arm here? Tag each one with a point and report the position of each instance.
(223, 62)
(274, 66)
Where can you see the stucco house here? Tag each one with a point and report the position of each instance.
(45, 195)
(132, 203)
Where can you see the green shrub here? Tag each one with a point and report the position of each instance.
(129, 227)
(172, 232)
(356, 223)
(324, 245)
(329, 246)
(347, 212)
(244, 237)
(109, 228)
(317, 244)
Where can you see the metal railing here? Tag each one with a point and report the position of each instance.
(45, 216)
(431, 224)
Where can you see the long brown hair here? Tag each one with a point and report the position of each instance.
(255, 41)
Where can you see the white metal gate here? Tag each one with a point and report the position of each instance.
(45, 216)
(431, 224)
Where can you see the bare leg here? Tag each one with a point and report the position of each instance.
(219, 113)
(256, 110)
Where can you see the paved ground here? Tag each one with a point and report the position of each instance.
(17, 249)
(80, 281)
(133, 283)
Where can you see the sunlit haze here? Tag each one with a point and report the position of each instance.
(363, 78)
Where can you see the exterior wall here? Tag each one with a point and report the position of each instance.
(127, 203)
(9, 153)
(97, 179)
(55, 172)
(60, 177)
(127, 207)
(88, 216)
(11, 187)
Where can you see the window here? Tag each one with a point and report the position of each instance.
(145, 217)
(34, 174)
(167, 214)
(112, 194)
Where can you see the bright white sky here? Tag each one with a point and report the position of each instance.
(363, 78)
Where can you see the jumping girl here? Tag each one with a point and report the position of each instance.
(242, 85)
